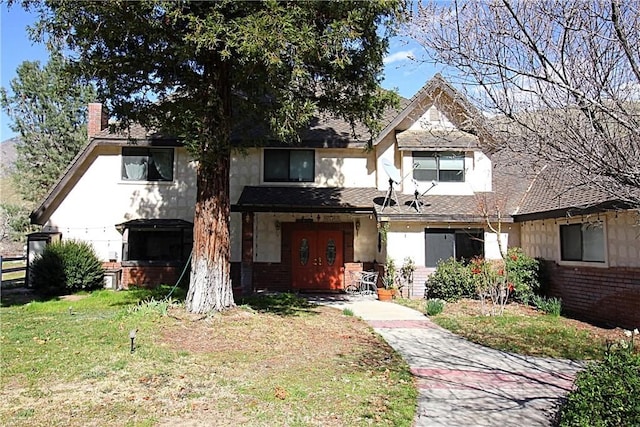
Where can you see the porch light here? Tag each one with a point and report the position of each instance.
(277, 225)
(357, 226)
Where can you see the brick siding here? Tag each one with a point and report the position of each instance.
(145, 276)
(609, 296)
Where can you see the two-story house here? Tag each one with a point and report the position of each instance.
(303, 216)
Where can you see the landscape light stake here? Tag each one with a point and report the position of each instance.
(132, 336)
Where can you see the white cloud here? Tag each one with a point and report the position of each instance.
(403, 55)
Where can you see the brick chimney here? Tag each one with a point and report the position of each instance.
(98, 119)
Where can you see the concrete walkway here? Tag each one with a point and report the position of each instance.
(461, 383)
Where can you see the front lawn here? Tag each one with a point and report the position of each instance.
(279, 361)
(524, 330)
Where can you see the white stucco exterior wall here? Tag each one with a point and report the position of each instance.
(408, 240)
(432, 119)
(365, 245)
(101, 199)
(344, 168)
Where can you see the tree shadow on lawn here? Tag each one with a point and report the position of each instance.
(282, 304)
(22, 296)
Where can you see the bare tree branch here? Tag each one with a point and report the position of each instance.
(561, 80)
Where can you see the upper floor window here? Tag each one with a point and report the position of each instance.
(289, 165)
(582, 242)
(438, 166)
(147, 164)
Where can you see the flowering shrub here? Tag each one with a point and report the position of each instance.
(523, 273)
(491, 282)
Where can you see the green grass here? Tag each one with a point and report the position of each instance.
(66, 339)
(274, 361)
(540, 336)
(15, 274)
(535, 334)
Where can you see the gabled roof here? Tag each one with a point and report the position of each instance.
(449, 101)
(74, 171)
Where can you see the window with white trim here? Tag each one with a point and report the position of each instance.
(147, 164)
(582, 242)
(289, 165)
(441, 166)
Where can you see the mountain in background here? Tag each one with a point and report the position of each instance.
(7, 156)
(8, 193)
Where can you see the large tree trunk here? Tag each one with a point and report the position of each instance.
(210, 286)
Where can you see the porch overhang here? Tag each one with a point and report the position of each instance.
(570, 212)
(154, 223)
(306, 199)
(293, 199)
(435, 208)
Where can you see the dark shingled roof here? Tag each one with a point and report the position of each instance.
(303, 199)
(134, 132)
(340, 199)
(557, 192)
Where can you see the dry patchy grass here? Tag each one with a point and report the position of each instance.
(247, 366)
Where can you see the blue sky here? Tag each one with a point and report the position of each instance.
(401, 73)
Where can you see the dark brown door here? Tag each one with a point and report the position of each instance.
(317, 260)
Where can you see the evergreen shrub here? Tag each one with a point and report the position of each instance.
(66, 267)
(606, 393)
(451, 281)
(523, 272)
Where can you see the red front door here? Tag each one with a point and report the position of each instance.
(317, 260)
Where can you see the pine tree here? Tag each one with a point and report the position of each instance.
(48, 109)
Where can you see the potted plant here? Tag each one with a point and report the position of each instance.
(388, 289)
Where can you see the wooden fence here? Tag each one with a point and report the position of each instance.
(13, 280)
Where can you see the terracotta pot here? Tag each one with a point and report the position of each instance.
(386, 294)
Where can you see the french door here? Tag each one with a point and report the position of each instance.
(317, 259)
